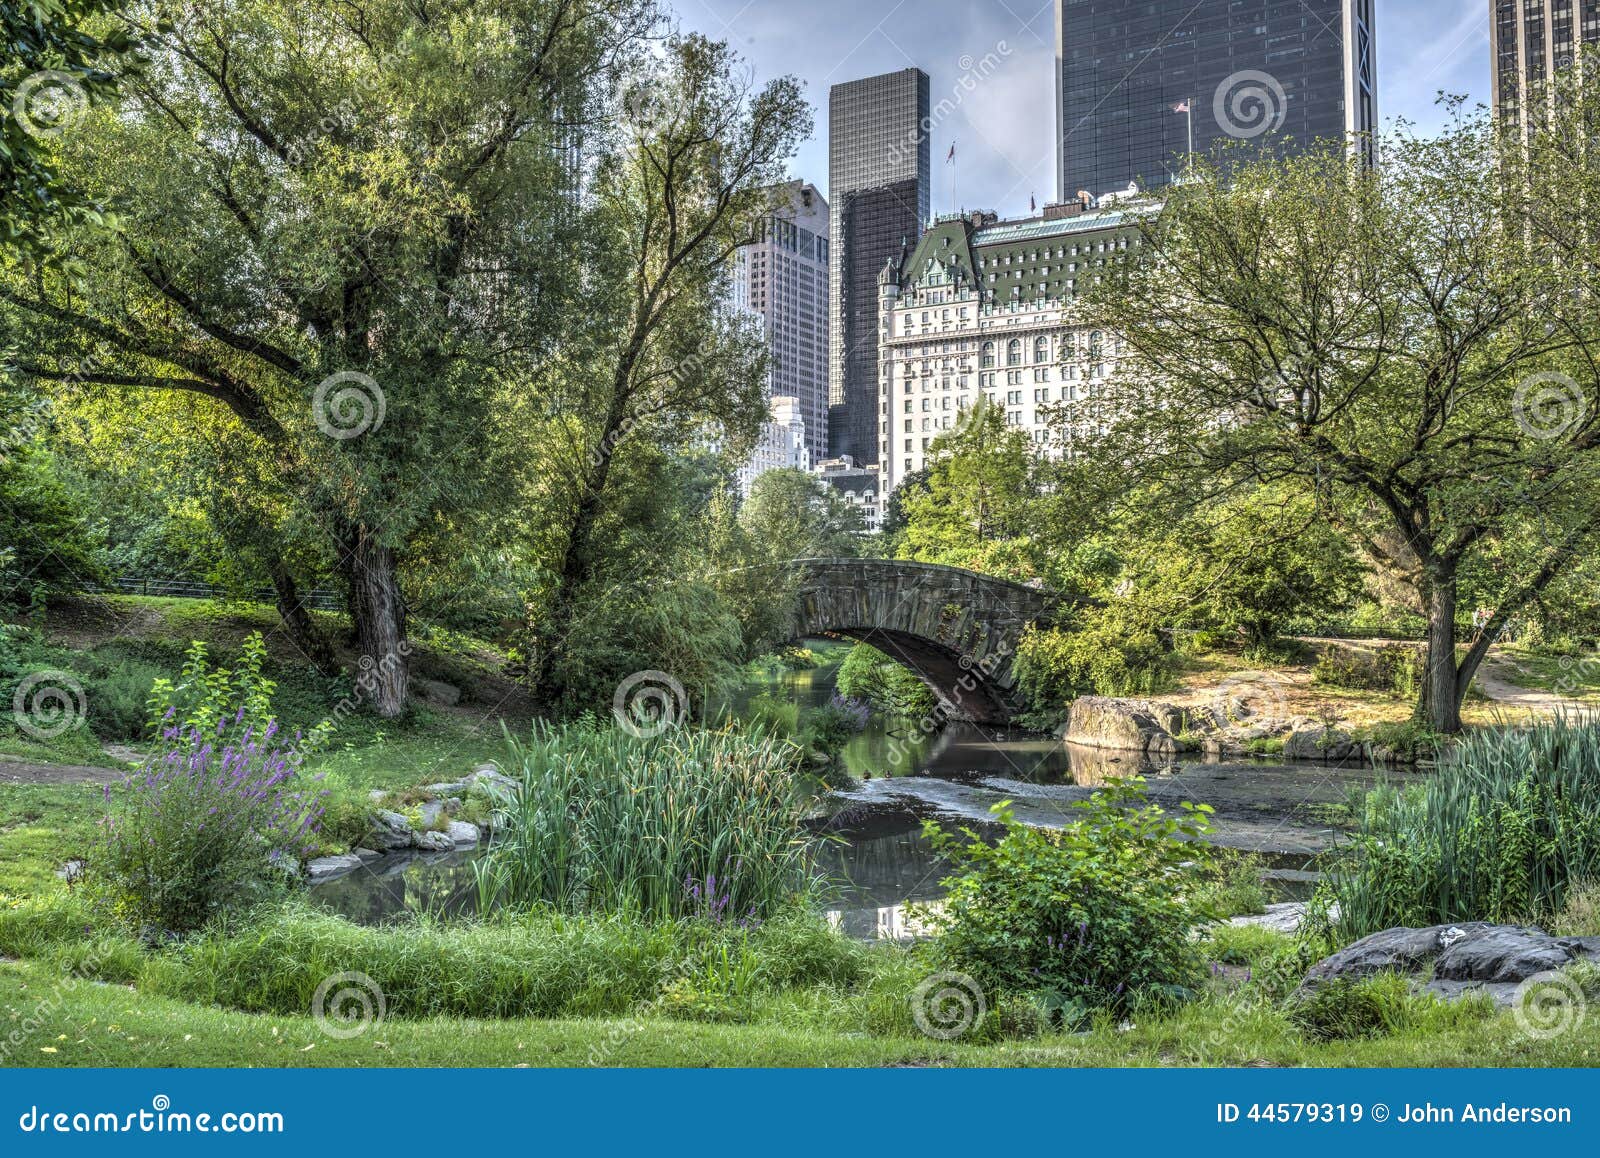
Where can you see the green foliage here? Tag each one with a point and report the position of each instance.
(45, 548)
(1501, 831)
(1108, 653)
(208, 701)
(686, 822)
(1093, 913)
(1392, 668)
(1232, 885)
(867, 674)
(828, 727)
(1380, 1006)
(973, 509)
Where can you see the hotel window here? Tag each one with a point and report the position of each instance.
(1041, 349)
(1014, 352)
(988, 355)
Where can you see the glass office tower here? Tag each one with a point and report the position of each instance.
(879, 177)
(1531, 39)
(1131, 75)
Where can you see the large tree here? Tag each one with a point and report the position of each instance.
(352, 227)
(665, 360)
(1397, 343)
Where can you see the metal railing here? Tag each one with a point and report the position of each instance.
(318, 599)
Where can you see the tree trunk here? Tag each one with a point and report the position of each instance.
(1440, 705)
(297, 623)
(378, 614)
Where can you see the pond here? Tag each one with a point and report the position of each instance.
(870, 840)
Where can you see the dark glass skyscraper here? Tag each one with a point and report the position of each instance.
(879, 177)
(1245, 69)
(1532, 39)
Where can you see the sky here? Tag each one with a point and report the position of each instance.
(1004, 128)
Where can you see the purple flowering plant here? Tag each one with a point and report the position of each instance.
(219, 817)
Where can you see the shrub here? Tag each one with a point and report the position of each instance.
(201, 829)
(1106, 656)
(1500, 832)
(1392, 668)
(870, 675)
(1233, 886)
(664, 826)
(1092, 913)
(830, 727)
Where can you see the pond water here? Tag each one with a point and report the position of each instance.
(870, 831)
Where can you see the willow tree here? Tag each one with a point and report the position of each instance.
(664, 360)
(1398, 342)
(349, 227)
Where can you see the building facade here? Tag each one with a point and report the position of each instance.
(1246, 69)
(859, 486)
(879, 176)
(783, 277)
(1530, 40)
(783, 444)
(986, 309)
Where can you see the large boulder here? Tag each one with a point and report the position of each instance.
(1320, 744)
(1133, 725)
(1471, 952)
(435, 842)
(464, 835)
(436, 692)
(390, 832)
(327, 868)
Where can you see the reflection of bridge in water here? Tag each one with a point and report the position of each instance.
(955, 629)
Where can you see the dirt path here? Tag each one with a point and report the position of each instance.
(19, 772)
(1496, 677)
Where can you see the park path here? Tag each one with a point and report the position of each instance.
(1497, 679)
(23, 772)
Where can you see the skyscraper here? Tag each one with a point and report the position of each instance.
(879, 177)
(783, 277)
(1530, 39)
(1135, 77)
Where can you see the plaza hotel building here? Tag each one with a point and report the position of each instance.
(984, 308)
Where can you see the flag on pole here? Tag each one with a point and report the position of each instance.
(1182, 106)
(952, 155)
(1033, 204)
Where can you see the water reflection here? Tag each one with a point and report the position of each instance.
(870, 841)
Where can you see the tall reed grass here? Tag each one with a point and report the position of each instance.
(1502, 830)
(688, 823)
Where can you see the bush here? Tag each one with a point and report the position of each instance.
(1392, 668)
(1233, 885)
(1092, 914)
(1503, 829)
(868, 674)
(681, 823)
(1344, 1009)
(1105, 657)
(830, 727)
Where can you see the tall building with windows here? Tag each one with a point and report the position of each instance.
(987, 309)
(879, 178)
(1530, 40)
(783, 277)
(1133, 77)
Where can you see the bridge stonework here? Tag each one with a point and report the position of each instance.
(956, 629)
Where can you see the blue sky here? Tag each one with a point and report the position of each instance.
(1005, 125)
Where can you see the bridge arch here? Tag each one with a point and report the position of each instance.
(956, 629)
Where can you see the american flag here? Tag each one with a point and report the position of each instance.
(1182, 106)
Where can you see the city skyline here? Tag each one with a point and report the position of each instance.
(993, 69)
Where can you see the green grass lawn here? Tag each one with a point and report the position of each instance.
(84, 1023)
(1577, 677)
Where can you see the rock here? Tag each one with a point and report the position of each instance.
(1282, 918)
(463, 834)
(72, 871)
(1473, 953)
(377, 796)
(391, 831)
(430, 813)
(366, 854)
(489, 778)
(435, 842)
(436, 692)
(1105, 722)
(1320, 744)
(326, 868)
(456, 788)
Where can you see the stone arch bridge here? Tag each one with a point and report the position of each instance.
(956, 629)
